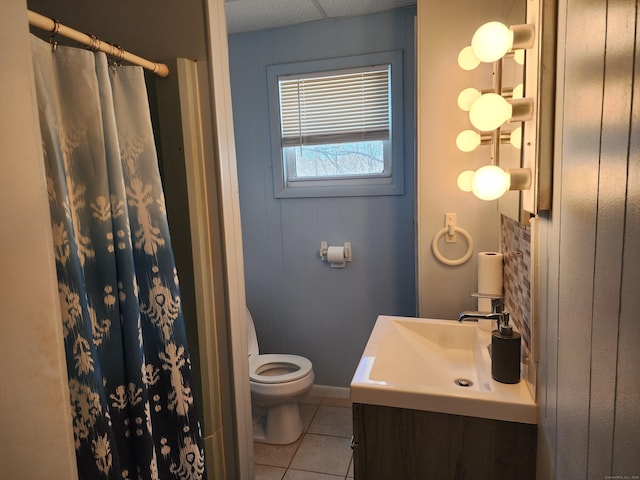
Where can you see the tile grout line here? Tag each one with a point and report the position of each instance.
(322, 403)
(306, 432)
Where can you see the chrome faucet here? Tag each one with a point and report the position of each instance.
(497, 311)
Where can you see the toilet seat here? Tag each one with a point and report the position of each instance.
(263, 363)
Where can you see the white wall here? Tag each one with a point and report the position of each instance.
(37, 438)
(590, 247)
(444, 29)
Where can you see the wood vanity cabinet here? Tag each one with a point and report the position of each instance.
(395, 443)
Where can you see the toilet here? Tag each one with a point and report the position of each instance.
(277, 381)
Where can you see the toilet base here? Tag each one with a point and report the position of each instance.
(278, 425)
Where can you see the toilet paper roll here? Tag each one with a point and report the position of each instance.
(490, 281)
(335, 257)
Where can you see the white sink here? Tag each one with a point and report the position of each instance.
(415, 362)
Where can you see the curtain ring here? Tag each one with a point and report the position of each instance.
(54, 30)
(94, 44)
(116, 55)
(112, 54)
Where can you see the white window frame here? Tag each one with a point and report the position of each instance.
(390, 182)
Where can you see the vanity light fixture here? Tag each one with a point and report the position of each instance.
(491, 182)
(518, 91)
(469, 140)
(467, 97)
(490, 110)
(464, 180)
(494, 40)
(514, 137)
(533, 105)
(467, 60)
(518, 56)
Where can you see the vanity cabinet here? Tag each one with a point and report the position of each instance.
(397, 443)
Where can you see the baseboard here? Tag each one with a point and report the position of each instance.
(329, 391)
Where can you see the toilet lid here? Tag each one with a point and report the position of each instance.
(295, 366)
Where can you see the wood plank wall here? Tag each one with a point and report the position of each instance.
(589, 394)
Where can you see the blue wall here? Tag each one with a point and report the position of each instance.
(298, 303)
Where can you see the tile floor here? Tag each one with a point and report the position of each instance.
(322, 453)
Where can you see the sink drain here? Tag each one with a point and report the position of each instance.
(463, 382)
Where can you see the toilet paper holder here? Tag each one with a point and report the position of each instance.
(324, 249)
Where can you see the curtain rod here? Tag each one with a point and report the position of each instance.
(51, 25)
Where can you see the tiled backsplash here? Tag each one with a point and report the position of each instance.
(515, 245)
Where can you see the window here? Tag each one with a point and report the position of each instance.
(332, 131)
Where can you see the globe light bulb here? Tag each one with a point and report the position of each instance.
(518, 91)
(489, 112)
(518, 56)
(490, 182)
(491, 41)
(516, 138)
(467, 97)
(467, 60)
(464, 180)
(468, 140)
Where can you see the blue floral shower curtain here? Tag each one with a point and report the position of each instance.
(128, 365)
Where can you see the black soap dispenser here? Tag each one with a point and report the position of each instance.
(505, 352)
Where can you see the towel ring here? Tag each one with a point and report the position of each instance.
(458, 261)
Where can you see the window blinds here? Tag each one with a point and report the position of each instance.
(335, 107)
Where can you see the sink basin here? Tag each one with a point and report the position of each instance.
(436, 365)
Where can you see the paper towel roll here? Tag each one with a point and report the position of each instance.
(335, 257)
(489, 278)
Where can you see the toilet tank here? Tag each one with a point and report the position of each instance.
(252, 339)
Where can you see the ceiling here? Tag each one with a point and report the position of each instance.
(250, 15)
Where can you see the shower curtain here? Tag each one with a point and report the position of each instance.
(126, 348)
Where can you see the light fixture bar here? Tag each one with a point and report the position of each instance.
(497, 86)
(505, 136)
